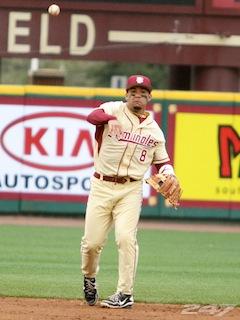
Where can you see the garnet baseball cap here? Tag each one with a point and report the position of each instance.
(139, 81)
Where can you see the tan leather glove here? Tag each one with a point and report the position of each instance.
(168, 186)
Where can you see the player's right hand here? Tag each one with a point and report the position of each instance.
(115, 128)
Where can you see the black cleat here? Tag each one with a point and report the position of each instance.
(118, 300)
(90, 291)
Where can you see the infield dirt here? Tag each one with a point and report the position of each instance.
(56, 309)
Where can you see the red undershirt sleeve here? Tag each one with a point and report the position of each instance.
(99, 117)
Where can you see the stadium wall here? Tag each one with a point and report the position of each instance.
(47, 150)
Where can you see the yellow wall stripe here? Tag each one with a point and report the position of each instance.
(72, 91)
(13, 90)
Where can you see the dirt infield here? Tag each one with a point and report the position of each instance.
(146, 224)
(57, 309)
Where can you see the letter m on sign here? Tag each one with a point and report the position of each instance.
(229, 148)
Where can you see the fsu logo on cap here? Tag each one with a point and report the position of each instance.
(139, 80)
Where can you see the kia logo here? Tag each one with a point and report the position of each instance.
(54, 141)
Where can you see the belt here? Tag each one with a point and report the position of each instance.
(115, 179)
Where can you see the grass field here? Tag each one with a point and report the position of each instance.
(174, 266)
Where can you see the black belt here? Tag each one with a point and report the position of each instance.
(115, 179)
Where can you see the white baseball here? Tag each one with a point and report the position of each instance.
(54, 10)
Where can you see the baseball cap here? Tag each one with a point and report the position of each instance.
(139, 81)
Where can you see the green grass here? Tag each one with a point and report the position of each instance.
(174, 267)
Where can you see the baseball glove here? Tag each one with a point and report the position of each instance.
(168, 186)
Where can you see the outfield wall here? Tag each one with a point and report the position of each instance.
(47, 150)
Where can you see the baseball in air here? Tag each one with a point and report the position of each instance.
(54, 10)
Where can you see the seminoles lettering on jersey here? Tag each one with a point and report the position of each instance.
(133, 152)
(147, 141)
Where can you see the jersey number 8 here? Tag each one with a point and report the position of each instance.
(143, 155)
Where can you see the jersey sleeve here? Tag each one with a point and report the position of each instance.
(110, 108)
(160, 154)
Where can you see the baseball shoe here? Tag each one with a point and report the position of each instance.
(90, 291)
(118, 300)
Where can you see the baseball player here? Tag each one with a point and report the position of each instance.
(128, 142)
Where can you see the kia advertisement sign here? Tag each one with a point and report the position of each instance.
(47, 152)
(50, 146)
